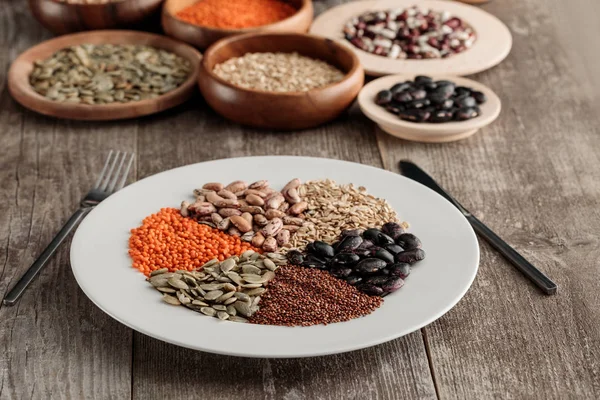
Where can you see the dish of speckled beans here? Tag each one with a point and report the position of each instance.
(424, 38)
(268, 248)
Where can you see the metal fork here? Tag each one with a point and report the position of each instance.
(110, 181)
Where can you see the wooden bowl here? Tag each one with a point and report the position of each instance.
(202, 37)
(287, 111)
(22, 92)
(61, 18)
(427, 132)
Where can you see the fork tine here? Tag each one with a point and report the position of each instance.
(101, 177)
(115, 176)
(125, 173)
(105, 182)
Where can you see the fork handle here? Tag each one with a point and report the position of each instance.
(16, 292)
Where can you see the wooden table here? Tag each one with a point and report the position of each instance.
(533, 175)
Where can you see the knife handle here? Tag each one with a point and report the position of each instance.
(532, 273)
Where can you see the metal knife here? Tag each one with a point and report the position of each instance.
(536, 276)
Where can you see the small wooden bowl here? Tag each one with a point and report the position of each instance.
(427, 132)
(61, 18)
(287, 111)
(22, 92)
(202, 37)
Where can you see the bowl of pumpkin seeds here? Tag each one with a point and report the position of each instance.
(104, 75)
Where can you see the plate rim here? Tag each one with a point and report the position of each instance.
(373, 343)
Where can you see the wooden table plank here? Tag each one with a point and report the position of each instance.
(55, 343)
(399, 368)
(533, 177)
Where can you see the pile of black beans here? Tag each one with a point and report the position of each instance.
(426, 100)
(376, 261)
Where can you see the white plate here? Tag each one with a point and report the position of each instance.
(491, 47)
(103, 268)
(427, 132)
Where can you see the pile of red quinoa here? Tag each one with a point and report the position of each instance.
(305, 296)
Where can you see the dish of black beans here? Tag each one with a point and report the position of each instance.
(376, 261)
(426, 100)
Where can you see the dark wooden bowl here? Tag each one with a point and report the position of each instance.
(61, 18)
(287, 111)
(202, 37)
(22, 92)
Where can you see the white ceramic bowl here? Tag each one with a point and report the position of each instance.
(493, 43)
(423, 131)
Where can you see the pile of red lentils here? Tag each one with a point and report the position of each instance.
(168, 240)
(306, 296)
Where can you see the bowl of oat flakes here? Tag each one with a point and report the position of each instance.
(280, 80)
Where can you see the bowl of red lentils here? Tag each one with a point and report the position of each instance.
(203, 22)
(65, 16)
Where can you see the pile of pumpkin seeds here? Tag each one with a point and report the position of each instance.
(108, 73)
(228, 290)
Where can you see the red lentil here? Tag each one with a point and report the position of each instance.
(236, 14)
(300, 296)
(168, 240)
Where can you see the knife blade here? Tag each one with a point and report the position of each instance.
(412, 171)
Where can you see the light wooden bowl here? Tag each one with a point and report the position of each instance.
(427, 132)
(203, 37)
(286, 111)
(22, 92)
(61, 18)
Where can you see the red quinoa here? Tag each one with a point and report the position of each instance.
(300, 296)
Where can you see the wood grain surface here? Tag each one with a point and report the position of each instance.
(533, 176)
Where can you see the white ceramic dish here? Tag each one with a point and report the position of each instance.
(493, 43)
(103, 269)
(427, 132)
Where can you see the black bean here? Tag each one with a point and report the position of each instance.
(402, 97)
(363, 253)
(344, 259)
(421, 103)
(384, 271)
(371, 290)
(341, 272)
(423, 79)
(480, 98)
(464, 114)
(410, 256)
(383, 97)
(462, 90)
(428, 86)
(353, 279)
(310, 248)
(441, 116)
(383, 240)
(446, 83)
(447, 104)
(401, 270)
(414, 115)
(371, 234)
(377, 280)
(370, 265)
(418, 94)
(392, 229)
(408, 241)
(394, 248)
(392, 284)
(466, 101)
(323, 249)
(400, 87)
(348, 244)
(444, 90)
(295, 257)
(315, 259)
(384, 255)
(437, 98)
(395, 108)
(351, 232)
(366, 244)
